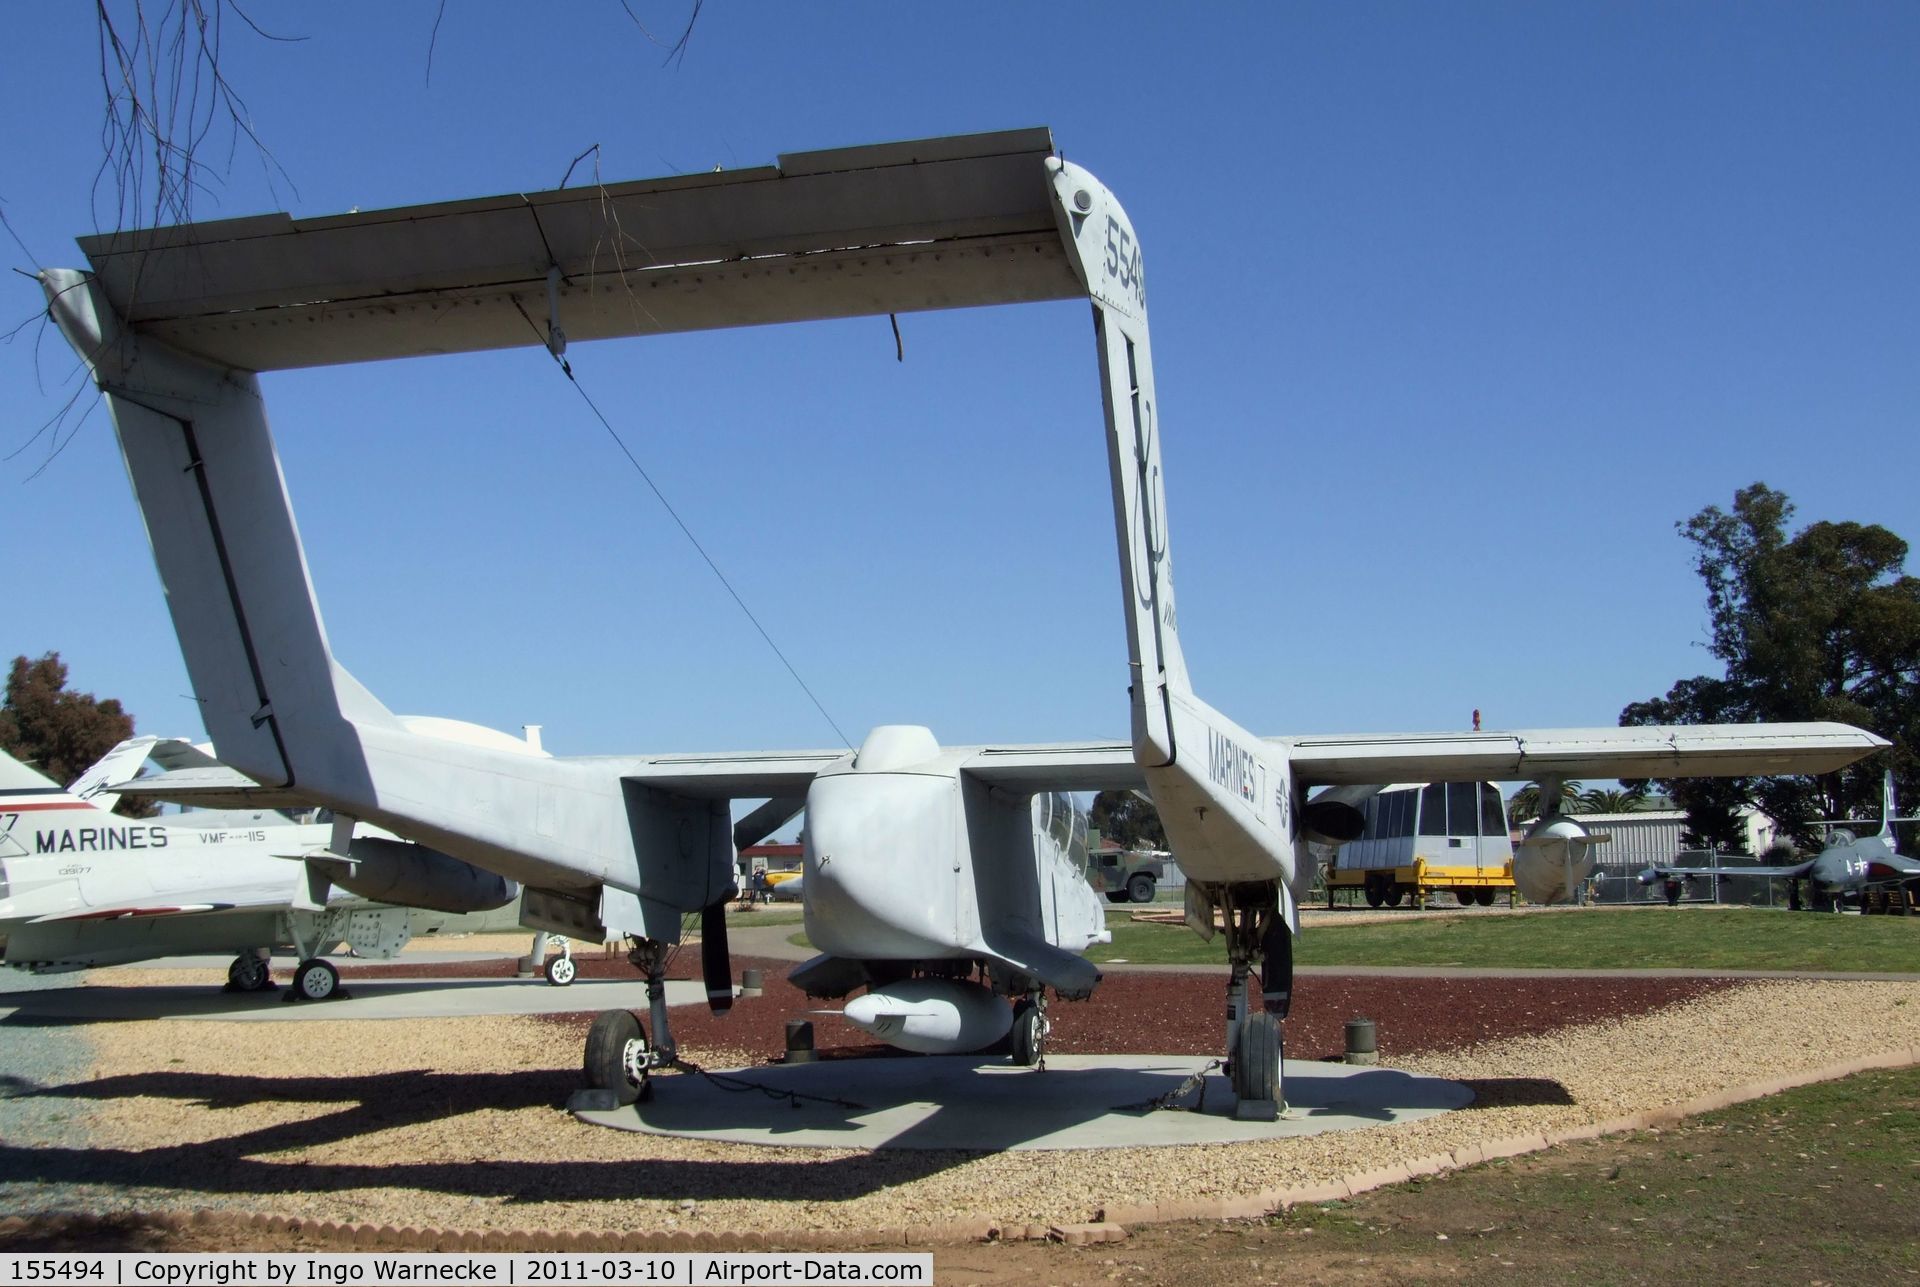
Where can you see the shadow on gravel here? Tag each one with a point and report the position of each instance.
(120, 1233)
(243, 1163)
(1513, 1092)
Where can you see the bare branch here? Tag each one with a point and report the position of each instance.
(166, 96)
(677, 51)
(433, 38)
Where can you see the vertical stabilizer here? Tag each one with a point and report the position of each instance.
(120, 764)
(208, 481)
(1225, 797)
(20, 781)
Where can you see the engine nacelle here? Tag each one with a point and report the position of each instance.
(1550, 863)
(1331, 821)
(932, 1016)
(392, 871)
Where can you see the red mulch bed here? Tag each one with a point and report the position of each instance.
(1164, 1012)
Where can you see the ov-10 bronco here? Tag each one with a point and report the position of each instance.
(930, 874)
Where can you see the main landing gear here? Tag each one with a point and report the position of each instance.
(1257, 935)
(619, 1057)
(1028, 1039)
(250, 973)
(314, 978)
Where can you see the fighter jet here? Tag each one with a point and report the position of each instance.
(1850, 864)
(82, 887)
(931, 872)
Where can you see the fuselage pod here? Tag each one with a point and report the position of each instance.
(932, 1016)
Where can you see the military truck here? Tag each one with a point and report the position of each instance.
(1130, 875)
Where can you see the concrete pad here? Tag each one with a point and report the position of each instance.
(365, 999)
(284, 960)
(963, 1102)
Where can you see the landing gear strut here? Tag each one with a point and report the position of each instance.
(314, 978)
(1257, 935)
(560, 970)
(1030, 1028)
(619, 1057)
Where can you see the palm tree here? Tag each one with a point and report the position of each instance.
(1613, 799)
(1526, 801)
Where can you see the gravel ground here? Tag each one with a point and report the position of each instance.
(34, 1057)
(457, 1123)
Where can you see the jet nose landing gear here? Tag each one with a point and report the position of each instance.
(249, 973)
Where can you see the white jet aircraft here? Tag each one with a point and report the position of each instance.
(82, 887)
(926, 877)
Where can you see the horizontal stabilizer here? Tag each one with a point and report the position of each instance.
(214, 787)
(892, 228)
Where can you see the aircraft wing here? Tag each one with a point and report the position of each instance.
(206, 899)
(1892, 867)
(214, 786)
(1703, 750)
(1793, 871)
(1375, 759)
(1064, 766)
(751, 775)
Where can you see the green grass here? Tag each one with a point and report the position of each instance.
(1600, 939)
(766, 914)
(1637, 938)
(1814, 1185)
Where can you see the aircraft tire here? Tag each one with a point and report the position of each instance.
(1116, 895)
(561, 970)
(606, 1056)
(1026, 1037)
(315, 980)
(1140, 888)
(1256, 1059)
(248, 973)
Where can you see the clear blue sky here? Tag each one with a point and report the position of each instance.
(1456, 309)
